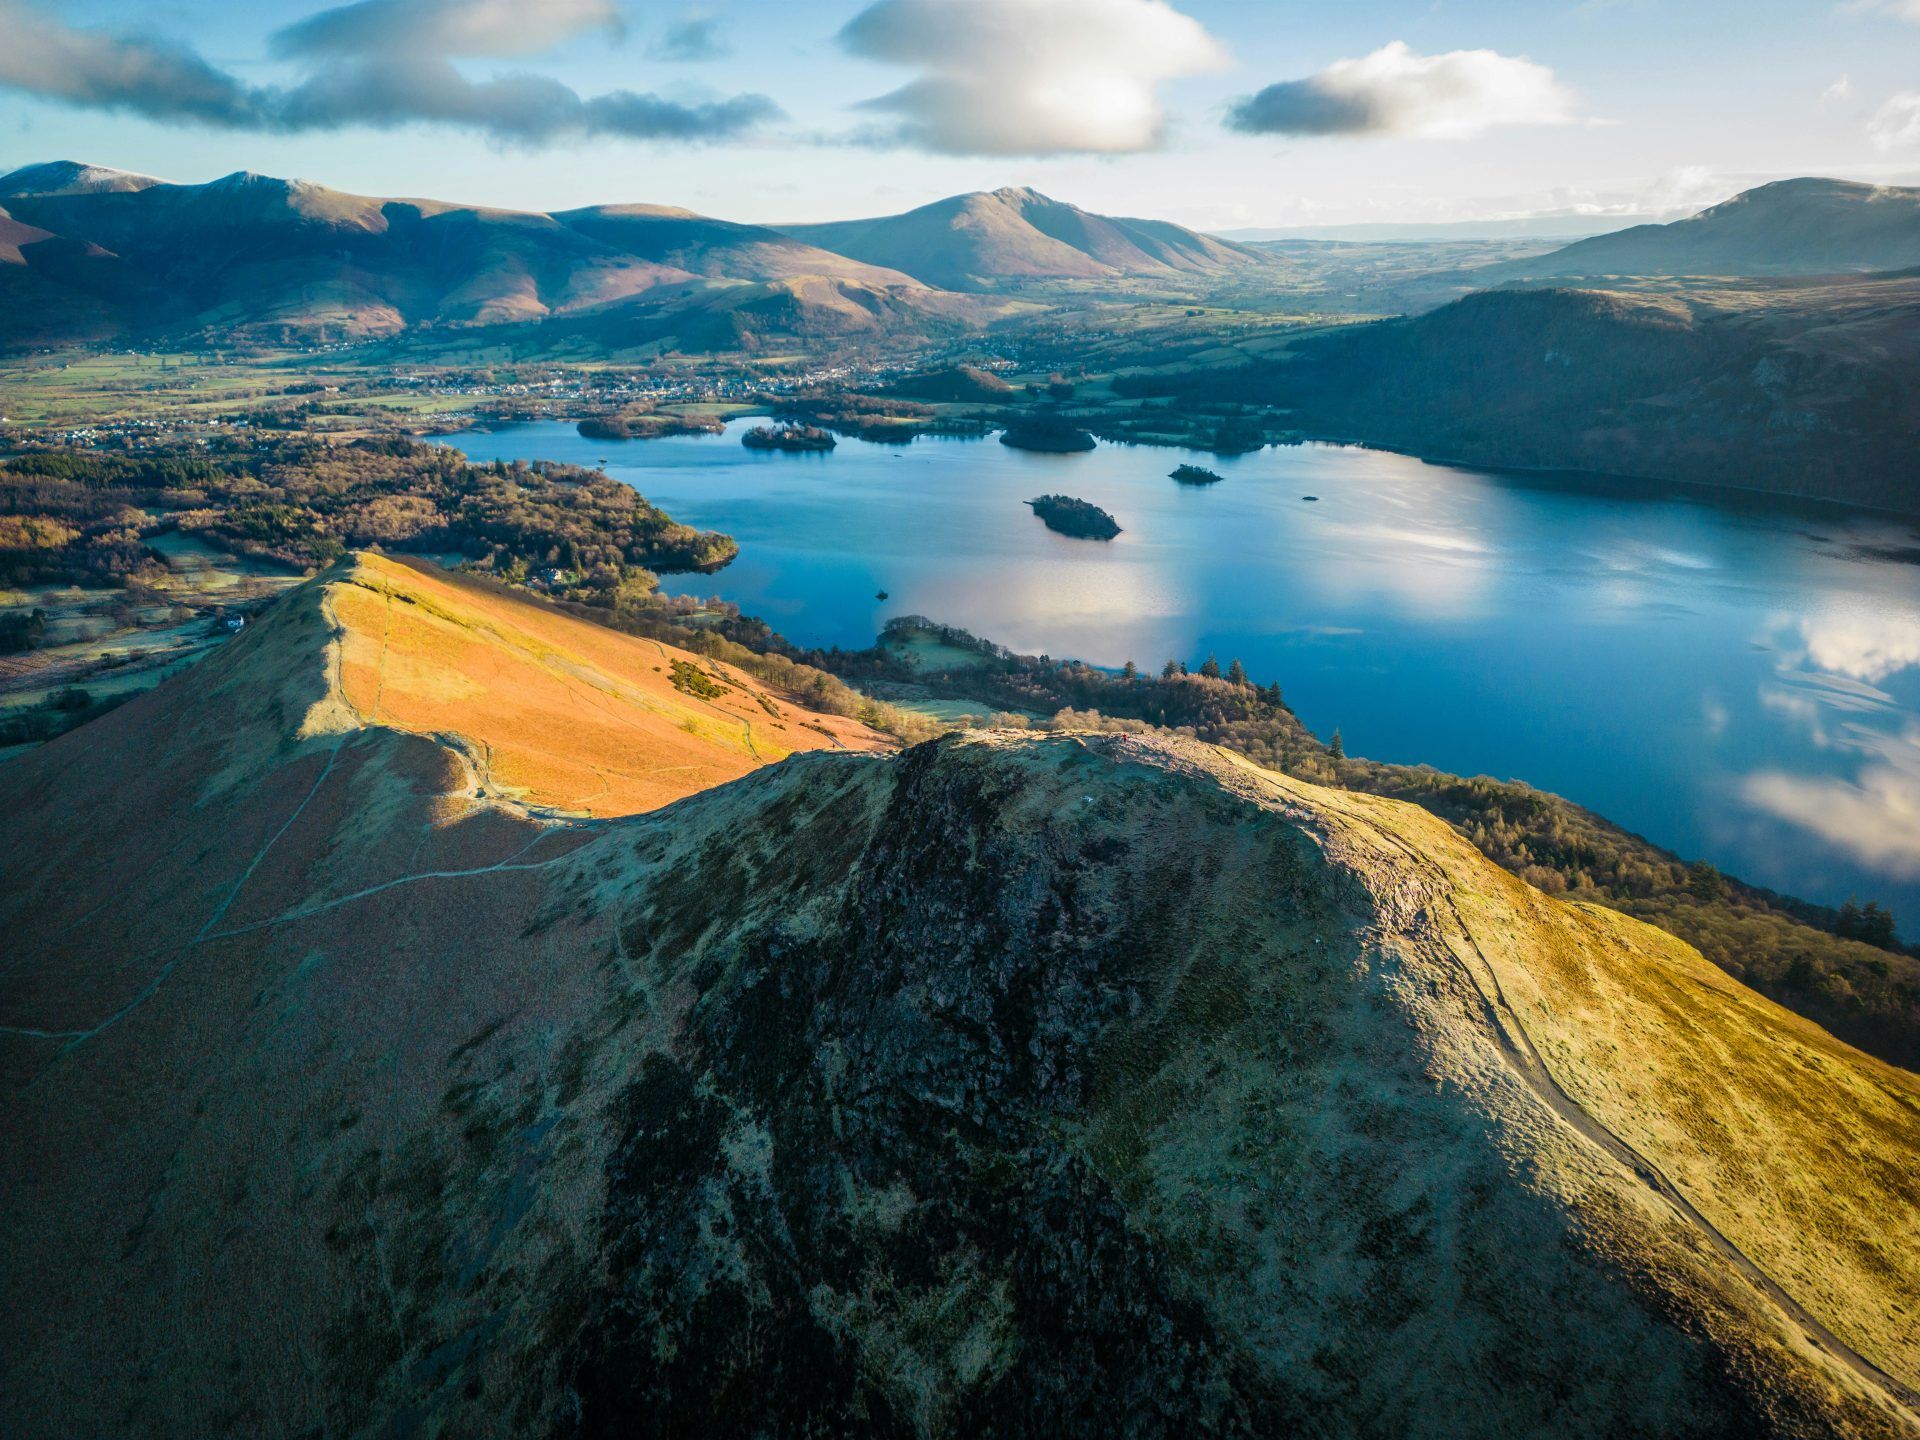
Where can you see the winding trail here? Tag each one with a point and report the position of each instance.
(1524, 1059)
(746, 725)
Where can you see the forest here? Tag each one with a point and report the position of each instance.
(80, 518)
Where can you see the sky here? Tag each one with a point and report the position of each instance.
(1218, 114)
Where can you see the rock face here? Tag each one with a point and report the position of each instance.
(1070, 1085)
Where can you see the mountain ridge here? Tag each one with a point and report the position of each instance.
(257, 255)
(1076, 1082)
(988, 239)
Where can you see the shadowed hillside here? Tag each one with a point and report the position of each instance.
(1085, 1084)
(1798, 387)
(1791, 227)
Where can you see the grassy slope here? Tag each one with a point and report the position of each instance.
(1689, 1068)
(553, 713)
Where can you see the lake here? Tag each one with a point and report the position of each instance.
(1735, 679)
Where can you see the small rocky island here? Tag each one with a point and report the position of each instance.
(1078, 518)
(1048, 433)
(788, 437)
(1195, 475)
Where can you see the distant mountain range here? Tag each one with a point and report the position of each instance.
(1791, 227)
(102, 253)
(94, 255)
(90, 254)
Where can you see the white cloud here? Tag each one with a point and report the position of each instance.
(1896, 124)
(1830, 668)
(1839, 92)
(43, 55)
(381, 63)
(1396, 91)
(1031, 77)
(1876, 820)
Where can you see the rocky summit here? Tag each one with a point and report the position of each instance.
(370, 1069)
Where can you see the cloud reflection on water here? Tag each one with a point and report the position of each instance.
(1830, 672)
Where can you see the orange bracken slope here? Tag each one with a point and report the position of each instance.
(552, 712)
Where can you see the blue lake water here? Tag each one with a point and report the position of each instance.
(1735, 680)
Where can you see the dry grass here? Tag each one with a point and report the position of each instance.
(559, 715)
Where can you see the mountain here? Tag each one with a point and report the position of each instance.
(357, 1081)
(988, 241)
(55, 290)
(254, 257)
(1800, 387)
(1791, 227)
(731, 316)
(70, 177)
(286, 259)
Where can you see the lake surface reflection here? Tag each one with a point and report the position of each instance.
(1737, 680)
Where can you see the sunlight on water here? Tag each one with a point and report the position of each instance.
(1738, 680)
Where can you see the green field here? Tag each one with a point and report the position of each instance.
(112, 642)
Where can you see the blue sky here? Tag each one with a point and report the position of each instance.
(755, 110)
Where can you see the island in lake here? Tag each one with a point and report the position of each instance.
(1078, 518)
(1046, 432)
(647, 425)
(1194, 475)
(788, 437)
